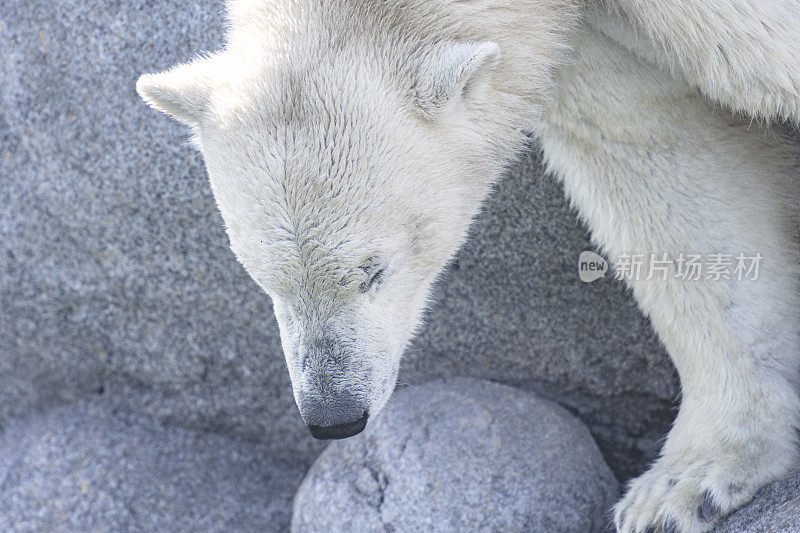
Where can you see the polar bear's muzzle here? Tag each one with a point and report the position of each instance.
(334, 416)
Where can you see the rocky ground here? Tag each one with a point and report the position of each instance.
(453, 455)
(142, 384)
(89, 467)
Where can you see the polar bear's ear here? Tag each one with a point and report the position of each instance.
(453, 72)
(181, 92)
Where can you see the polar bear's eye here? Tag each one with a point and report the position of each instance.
(376, 273)
(377, 277)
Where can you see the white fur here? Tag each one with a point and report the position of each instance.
(345, 137)
(652, 167)
(744, 54)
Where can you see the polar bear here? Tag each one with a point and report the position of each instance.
(349, 145)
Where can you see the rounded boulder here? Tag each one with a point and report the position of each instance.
(461, 455)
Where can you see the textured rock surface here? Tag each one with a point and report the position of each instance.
(460, 455)
(115, 272)
(776, 508)
(87, 467)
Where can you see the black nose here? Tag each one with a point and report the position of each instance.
(339, 431)
(335, 414)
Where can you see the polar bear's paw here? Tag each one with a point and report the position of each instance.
(682, 497)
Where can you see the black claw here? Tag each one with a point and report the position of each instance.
(707, 509)
(669, 526)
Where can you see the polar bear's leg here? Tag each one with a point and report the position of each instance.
(654, 169)
(742, 53)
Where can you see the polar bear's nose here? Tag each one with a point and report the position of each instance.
(339, 431)
(335, 416)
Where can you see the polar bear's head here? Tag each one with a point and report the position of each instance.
(347, 171)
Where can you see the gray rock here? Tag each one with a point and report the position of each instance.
(460, 455)
(115, 272)
(775, 509)
(87, 467)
